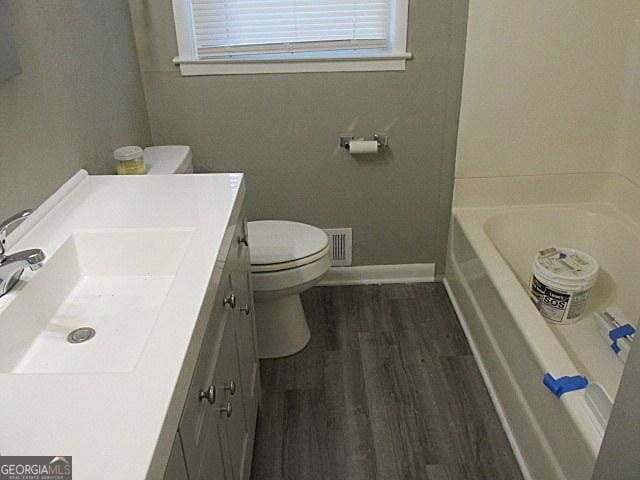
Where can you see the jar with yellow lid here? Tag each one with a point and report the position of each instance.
(130, 160)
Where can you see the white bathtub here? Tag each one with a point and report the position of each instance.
(489, 263)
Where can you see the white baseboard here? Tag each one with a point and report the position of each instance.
(378, 274)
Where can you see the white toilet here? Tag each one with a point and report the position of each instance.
(168, 159)
(287, 258)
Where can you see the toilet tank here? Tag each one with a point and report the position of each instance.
(168, 159)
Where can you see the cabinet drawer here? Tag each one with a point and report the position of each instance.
(200, 409)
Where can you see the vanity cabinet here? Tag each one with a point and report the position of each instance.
(218, 421)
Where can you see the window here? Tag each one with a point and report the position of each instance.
(271, 36)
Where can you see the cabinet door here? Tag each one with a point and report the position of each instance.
(176, 467)
(224, 443)
(231, 422)
(214, 466)
(198, 425)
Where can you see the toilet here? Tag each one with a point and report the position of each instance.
(287, 258)
(168, 159)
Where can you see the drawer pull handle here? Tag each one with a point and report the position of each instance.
(226, 410)
(209, 394)
(230, 301)
(230, 387)
(246, 309)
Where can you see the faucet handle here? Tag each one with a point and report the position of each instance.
(10, 222)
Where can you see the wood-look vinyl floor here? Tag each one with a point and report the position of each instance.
(387, 389)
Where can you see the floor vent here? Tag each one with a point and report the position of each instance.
(340, 245)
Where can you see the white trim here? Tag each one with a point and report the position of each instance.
(378, 274)
(296, 58)
(399, 25)
(487, 381)
(190, 66)
(184, 27)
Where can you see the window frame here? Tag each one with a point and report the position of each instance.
(391, 59)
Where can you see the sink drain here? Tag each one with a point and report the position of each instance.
(81, 335)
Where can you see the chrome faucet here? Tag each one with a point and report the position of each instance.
(12, 266)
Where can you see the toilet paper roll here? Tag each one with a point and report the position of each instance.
(358, 147)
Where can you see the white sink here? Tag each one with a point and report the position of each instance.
(114, 281)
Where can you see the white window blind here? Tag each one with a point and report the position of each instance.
(250, 27)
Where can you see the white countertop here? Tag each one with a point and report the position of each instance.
(121, 425)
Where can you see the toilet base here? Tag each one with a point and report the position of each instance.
(281, 326)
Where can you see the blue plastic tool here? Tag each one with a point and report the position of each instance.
(559, 386)
(618, 333)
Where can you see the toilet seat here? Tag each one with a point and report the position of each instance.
(282, 245)
(301, 262)
(279, 283)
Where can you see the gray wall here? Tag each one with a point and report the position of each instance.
(282, 130)
(9, 63)
(79, 95)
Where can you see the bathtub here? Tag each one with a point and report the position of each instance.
(488, 268)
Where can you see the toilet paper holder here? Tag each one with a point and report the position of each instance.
(380, 138)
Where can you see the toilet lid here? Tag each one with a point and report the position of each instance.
(279, 241)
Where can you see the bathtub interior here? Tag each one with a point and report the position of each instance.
(518, 233)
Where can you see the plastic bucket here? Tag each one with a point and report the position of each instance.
(560, 283)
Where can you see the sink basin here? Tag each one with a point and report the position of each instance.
(113, 281)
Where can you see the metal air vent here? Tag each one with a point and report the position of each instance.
(340, 243)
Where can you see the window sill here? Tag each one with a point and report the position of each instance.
(293, 64)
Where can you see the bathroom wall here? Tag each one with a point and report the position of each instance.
(550, 87)
(628, 134)
(9, 63)
(79, 95)
(282, 130)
